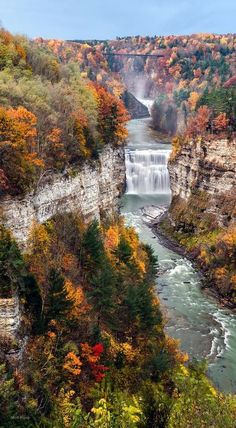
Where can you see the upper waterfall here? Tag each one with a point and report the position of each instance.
(146, 171)
(146, 102)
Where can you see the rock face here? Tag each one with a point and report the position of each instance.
(92, 191)
(9, 317)
(136, 109)
(207, 167)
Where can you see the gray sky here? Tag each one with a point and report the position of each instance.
(102, 19)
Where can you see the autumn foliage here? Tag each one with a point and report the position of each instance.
(19, 161)
(51, 117)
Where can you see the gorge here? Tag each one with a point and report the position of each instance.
(103, 320)
(205, 330)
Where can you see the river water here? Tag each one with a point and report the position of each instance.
(204, 329)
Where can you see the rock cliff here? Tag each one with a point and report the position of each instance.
(202, 215)
(136, 109)
(208, 167)
(94, 190)
(9, 317)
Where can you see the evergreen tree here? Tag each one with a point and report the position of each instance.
(153, 262)
(92, 247)
(33, 303)
(58, 304)
(12, 266)
(123, 251)
(103, 290)
(148, 314)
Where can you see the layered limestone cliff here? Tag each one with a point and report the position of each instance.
(202, 214)
(207, 167)
(9, 317)
(93, 190)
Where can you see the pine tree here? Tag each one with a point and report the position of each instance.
(153, 262)
(58, 303)
(92, 248)
(123, 251)
(12, 266)
(103, 290)
(148, 314)
(33, 303)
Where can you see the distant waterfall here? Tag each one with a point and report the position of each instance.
(146, 102)
(146, 171)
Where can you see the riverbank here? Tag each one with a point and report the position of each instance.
(158, 229)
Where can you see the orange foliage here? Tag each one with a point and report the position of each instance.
(87, 353)
(220, 123)
(19, 158)
(38, 252)
(193, 99)
(172, 345)
(139, 255)
(69, 262)
(198, 124)
(72, 364)
(112, 116)
(55, 147)
(111, 239)
(77, 296)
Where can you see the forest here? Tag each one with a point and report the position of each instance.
(188, 67)
(51, 118)
(96, 354)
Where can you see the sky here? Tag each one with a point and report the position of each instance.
(106, 19)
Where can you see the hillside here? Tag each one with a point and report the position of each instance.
(51, 118)
(188, 66)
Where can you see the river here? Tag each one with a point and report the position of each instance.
(204, 329)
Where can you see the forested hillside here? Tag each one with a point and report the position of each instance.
(188, 66)
(96, 354)
(50, 116)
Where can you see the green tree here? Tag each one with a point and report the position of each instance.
(123, 251)
(8, 400)
(92, 248)
(58, 303)
(12, 265)
(103, 287)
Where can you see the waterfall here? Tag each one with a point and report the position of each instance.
(146, 171)
(146, 102)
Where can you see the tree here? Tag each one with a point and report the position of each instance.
(123, 251)
(57, 304)
(9, 406)
(92, 247)
(12, 266)
(221, 122)
(112, 117)
(18, 158)
(198, 124)
(103, 286)
(149, 315)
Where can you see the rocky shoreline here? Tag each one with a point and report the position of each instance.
(154, 222)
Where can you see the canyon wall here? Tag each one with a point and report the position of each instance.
(207, 167)
(9, 317)
(202, 214)
(136, 109)
(93, 190)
